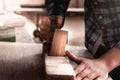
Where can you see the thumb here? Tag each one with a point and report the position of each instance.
(73, 57)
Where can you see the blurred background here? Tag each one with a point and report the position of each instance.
(22, 21)
(5, 4)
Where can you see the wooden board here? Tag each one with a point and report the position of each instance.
(58, 68)
(59, 43)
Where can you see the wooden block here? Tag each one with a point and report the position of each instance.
(58, 68)
(59, 43)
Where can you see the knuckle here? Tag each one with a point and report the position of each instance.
(41, 27)
(45, 20)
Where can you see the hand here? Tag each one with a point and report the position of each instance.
(89, 69)
(45, 26)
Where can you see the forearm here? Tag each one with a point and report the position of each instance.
(111, 58)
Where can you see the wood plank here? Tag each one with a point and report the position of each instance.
(58, 68)
(59, 43)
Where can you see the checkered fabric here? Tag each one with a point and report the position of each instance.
(101, 17)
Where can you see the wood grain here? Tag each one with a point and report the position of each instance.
(59, 43)
(58, 68)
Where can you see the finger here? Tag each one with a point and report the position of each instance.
(84, 73)
(73, 57)
(79, 69)
(43, 35)
(92, 75)
(78, 78)
(46, 21)
(44, 27)
(43, 38)
(59, 21)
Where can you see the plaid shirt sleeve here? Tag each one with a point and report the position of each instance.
(102, 17)
(56, 7)
(117, 45)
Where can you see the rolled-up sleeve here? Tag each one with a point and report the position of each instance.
(56, 7)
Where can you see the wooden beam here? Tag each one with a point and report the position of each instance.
(58, 68)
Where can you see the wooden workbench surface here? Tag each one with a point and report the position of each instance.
(23, 61)
(20, 61)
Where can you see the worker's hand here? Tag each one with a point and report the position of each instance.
(45, 26)
(89, 69)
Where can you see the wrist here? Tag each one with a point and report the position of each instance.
(104, 64)
(111, 59)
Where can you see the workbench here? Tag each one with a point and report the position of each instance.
(23, 61)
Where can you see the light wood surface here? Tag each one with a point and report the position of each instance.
(58, 68)
(59, 43)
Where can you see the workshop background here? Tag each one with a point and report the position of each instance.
(26, 19)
